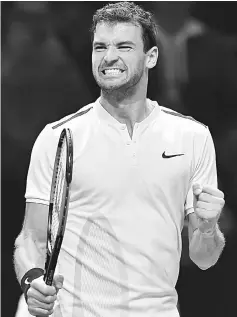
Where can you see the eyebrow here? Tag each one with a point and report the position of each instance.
(126, 43)
(118, 44)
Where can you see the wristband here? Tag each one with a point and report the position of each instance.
(28, 278)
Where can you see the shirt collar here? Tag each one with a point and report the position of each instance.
(105, 116)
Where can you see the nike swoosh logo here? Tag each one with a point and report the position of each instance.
(27, 281)
(169, 156)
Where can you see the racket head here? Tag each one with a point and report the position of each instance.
(59, 200)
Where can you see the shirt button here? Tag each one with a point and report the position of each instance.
(128, 143)
(122, 127)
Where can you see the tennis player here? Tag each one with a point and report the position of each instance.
(139, 170)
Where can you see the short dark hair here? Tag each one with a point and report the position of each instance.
(128, 12)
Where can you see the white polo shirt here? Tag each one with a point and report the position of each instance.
(121, 251)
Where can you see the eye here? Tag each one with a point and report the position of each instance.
(124, 48)
(99, 48)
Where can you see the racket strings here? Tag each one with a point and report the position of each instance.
(58, 193)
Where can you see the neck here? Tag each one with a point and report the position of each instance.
(127, 105)
(128, 110)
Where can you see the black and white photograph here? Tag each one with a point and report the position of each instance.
(119, 158)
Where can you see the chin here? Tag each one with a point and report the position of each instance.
(110, 87)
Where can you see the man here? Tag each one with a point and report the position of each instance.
(139, 169)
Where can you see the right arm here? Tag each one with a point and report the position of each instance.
(30, 245)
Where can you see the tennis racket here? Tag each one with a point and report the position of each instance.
(59, 200)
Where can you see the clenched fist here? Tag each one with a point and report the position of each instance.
(41, 297)
(208, 204)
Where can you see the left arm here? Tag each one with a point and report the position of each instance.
(206, 241)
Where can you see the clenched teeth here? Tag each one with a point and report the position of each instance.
(112, 71)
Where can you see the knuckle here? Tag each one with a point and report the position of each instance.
(221, 194)
(50, 306)
(202, 196)
(30, 311)
(47, 290)
(199, 204)
(31, 301)
(50, 299)
(207, 197)
(50, 290)
(199, 211)
(29, 292)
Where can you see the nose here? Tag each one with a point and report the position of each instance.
(111, 55)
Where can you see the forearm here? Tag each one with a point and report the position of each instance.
(205, 249)
(28, 254)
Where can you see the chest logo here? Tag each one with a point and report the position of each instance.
(170, 156)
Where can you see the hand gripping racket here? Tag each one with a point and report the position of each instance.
(59, 200)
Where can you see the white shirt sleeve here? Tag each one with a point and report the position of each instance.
(204, 166)
(41, 167)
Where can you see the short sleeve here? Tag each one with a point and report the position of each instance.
(204, 172)
(41, 168)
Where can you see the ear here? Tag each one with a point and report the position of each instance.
(152, 57)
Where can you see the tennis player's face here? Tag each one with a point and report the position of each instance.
(118, 58)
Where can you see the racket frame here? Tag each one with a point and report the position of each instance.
(52, 257)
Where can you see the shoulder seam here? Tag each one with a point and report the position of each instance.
(177, 114)
(78, 114)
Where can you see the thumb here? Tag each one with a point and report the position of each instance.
(197, 189)
(58, 281)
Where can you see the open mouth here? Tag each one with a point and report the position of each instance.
(112, 71)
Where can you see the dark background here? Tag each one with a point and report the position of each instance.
(46, 74)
